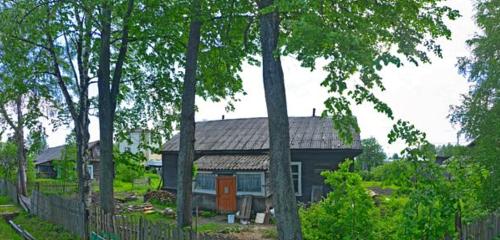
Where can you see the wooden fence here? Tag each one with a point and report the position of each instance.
(63, 188)
(66, 212)
(132, 228)
(487, 228)
(9, 189)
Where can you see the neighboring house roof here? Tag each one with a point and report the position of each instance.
(233, 162)
(55, 153)
(252, 134)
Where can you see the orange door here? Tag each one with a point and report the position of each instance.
(226, 193)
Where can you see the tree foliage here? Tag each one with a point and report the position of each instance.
(479, 114)
(373, 155)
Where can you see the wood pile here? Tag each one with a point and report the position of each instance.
(160, 196)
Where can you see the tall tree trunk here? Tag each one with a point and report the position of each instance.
(283, 193)
(21, 155)
(108, 94)
(84, 181)
(187, 134)
(105, 113)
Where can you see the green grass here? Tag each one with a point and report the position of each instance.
(220, 228)
(42, 230)
(155, 217)
(367, 184)
(271, 233)
(4, 200)
(6, 231)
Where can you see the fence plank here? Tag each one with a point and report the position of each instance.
(486, 228)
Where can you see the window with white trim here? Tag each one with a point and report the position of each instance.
(249, 182)
(205, 182)
(296, 177)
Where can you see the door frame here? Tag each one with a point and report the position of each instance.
(225, 177)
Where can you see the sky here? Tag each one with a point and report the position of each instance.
(422, 95)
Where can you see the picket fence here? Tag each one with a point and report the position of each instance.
(132, 228)
(66, 212)
(487, 228)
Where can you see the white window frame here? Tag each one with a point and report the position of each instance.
(262, 183)
(203, 190)
(299, 164)
(90, 170)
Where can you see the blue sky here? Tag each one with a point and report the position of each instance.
(421, 95)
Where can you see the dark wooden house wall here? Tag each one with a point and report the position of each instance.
(313, 163)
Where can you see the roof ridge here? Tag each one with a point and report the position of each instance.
(243, 118)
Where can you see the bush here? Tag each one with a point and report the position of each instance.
(129, 166)
(347, 212)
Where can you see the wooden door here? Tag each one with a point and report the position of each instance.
(226, 194)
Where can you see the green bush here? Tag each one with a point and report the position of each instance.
(347, 212)
(129, 166)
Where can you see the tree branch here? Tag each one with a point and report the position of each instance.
(5, 115)
(117, 74)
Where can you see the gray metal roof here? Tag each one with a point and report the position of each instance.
(252, 134)
(55, 153)
(233, 162)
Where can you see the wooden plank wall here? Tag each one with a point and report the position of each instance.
(68, 213)
(9, 189)
(486, 228)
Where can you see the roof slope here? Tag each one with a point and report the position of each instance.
(252, 134)
(233, 162)
(55, 153)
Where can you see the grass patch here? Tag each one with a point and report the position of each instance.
(271, 233)
(367, 184)
(155, 217)
(4, 200)
(6, 231)
(219, 228)
(42, 230)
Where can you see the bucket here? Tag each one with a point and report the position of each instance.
(230, 218)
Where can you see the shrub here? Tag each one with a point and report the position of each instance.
(129, 166)
(347, 212)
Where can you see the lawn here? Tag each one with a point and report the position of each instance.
(39, 229)
(42, 230)
(6, 231)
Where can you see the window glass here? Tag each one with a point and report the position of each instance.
(205, 181)
(297, 181)
(249, 182)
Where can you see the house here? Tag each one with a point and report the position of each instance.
(232, 161)
(44, 163)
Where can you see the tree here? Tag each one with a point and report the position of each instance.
(373, 155)
(66, 48)
(222, 31)
(23, 96)
(109, 88)
(8, 161)
(479, 114)
(187, 134)
(353, 38)
(279, 136)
